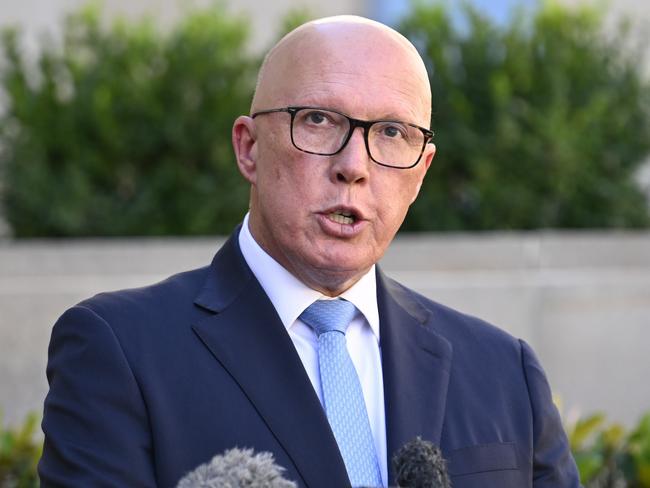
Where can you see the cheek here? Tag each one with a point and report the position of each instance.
(298, 174)
(412, 185)
(393, 202)
(277, 173)
(286, 186)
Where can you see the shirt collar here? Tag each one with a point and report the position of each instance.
(290, 296)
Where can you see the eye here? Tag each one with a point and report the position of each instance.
(315, 117)
(390, 130)
(319, 119)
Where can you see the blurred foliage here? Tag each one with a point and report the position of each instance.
(295, 17)
(541, 122)
(19, 454)
(609, 457)
(125, 130)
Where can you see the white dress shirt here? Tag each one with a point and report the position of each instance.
(291, 297)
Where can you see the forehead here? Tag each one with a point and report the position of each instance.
(360, 71)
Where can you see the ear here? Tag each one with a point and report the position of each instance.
(244, 142)
(427, 157)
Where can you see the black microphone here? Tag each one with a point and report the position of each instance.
(419, 464)
(237, 468)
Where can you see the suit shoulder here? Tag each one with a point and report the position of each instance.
(158, 299)
(457, 326)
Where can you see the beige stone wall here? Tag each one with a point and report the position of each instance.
(582, 300)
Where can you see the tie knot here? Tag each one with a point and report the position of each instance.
(329, 315)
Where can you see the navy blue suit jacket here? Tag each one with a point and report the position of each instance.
(146, 384)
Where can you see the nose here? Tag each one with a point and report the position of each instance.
(352, 164)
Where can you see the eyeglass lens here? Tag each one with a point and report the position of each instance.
(389, 142)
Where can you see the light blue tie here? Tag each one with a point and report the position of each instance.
(342, 394)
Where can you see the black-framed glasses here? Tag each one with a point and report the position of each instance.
(326, 132)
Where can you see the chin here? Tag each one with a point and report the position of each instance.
(342, 267)
(332, 282)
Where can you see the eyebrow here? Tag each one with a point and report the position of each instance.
(391, 117)
(327, 100)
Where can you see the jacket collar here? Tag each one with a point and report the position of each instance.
(245, 325)
(416, 362)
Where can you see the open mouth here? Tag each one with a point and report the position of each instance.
(342, 217)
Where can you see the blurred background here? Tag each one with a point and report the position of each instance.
(116, 170)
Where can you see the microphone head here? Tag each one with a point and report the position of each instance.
(237, 468)
(419, 464)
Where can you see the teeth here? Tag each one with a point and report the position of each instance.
(341, 218)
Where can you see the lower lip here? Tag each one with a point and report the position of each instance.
(335, 229)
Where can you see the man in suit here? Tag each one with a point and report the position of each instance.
(146, 384)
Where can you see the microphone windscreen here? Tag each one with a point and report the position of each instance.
(419, 464)
(237, 468)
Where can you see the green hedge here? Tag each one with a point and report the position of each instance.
(608, 456)
(20, 450)
(125, 129)
(540, 123)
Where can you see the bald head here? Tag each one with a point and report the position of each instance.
(326, 216)
(336, 49)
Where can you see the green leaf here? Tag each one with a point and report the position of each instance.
(584, 429)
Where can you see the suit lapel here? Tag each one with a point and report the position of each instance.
(416, 363)
(247, 326)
